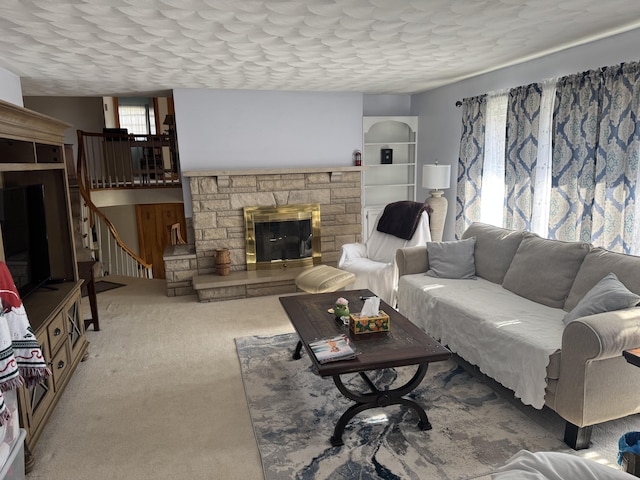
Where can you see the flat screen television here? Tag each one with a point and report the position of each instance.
(24, 236)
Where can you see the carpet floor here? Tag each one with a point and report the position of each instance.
(161, 396)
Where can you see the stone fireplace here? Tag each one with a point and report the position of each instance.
(219, 199)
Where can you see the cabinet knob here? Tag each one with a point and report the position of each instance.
(60, 364)
(57, 332)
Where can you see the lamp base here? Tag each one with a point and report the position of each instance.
(439, 205)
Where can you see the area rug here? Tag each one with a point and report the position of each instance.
(102, 286)
(294, 411)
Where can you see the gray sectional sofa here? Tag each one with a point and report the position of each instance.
(524, 309)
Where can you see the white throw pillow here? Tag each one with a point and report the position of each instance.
(607, 295)
(452, 259)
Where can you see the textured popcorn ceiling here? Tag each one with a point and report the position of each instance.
(119, 47)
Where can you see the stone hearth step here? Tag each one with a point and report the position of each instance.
(244, 284)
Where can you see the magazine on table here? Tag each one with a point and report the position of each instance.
(332, 349)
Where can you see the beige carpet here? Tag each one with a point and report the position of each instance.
(161, 395)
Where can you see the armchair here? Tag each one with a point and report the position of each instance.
(373, 262)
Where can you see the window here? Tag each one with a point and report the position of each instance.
(492, 200)
(137, 119)
(571, 159)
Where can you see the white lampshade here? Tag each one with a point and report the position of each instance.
(436, 177)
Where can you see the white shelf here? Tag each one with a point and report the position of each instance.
(389, 143)
(386, 182)
(377, 185)
(383, 183)
(390, 165)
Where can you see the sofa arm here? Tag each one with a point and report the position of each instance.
(596, 384)
(412, 260)
(350, 252)
(604, 335)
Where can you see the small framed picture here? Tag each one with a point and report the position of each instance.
(386, 155)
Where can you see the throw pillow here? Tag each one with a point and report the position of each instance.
(607, 295)
(543, 270)
(452, 259)
(495, 249)
(596, 265)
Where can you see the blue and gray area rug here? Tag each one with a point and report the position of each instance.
(294, 411)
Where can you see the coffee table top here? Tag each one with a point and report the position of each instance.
(405, 343)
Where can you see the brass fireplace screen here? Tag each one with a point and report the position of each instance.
(282, 236)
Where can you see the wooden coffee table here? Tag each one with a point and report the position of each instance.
(404, 345)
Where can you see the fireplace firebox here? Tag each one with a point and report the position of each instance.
(282, 236)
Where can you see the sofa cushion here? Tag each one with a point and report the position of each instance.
(607, 295)
(598, 263)
(495, 248)
(452, 259)
(543, 270)
(509, 337)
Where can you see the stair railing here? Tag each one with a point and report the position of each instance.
(129, 161)
(117, 258)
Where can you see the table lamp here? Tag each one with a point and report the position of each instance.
(169, 121)
(435, 178)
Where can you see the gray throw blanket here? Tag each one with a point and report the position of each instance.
(401, 219)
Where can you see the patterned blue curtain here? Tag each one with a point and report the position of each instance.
(595, 158)
(615, 213)
(523, 117)
(576, 131)
(470, 163)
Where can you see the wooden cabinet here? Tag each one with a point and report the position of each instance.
(56, 317)
(32, 152)
(390, 147)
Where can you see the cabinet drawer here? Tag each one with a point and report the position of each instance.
(60, 366)
(55, 331)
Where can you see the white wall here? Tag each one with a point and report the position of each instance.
(10, 87)
(441, 121)
(236, 129)
(124, 219)
(109, 112)
(83, 113)
(232, 129)
(382, 105)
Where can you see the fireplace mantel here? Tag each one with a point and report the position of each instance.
(269, 171)
(223, 176)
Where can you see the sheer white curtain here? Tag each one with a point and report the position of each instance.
(542, 187)
(635, 249)
(492, 199)
(493, 175)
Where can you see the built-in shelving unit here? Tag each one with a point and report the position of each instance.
(32, 152)
(387, 178)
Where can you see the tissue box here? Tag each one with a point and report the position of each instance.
(359, 324)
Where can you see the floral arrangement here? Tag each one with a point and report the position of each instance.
(342, 301)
